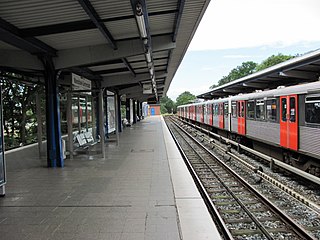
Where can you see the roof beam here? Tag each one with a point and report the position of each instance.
(128, 79)
(89, 9)
(78, 25)
(300, 74)
(111, 71)
(255, 85)
(178, 20)
(101, 53)
(13, 36)
(125, 61)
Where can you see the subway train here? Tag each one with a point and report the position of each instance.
(283, 123)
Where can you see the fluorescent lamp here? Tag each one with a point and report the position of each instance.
(140, 21)
(148, 56)
(151, 70)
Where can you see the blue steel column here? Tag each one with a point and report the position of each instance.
(54, 149)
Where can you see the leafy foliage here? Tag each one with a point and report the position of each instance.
(273, 60)
(167, 105)
(247, 68)
(184, 98)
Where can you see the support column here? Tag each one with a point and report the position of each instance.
(101, 128)
(116, 116)
(128, 110)
(141, 111)
(69, 122)
(134, 112)
(118, 110)
(138, 111)
(39, 122)
(54, 149)
(2, 190)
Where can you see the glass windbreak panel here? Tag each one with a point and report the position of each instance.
(226, 109)
(2, 169)
(75, 114)
(250, 109)
(234, 109)
(272, 110)
(83, 112)
(292, 109)
(63, 114)
(260, 113)
(313, 110)
(284, 109)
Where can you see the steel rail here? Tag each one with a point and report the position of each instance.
(297, 228)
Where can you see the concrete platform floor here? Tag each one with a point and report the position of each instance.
(127, 195)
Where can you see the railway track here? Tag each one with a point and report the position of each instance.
(240, 211)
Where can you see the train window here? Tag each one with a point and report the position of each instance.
(226, 109)
(250, 109)
(216, 109)
(260, 112)
(292, 109)
(284, 109)
(313, 110)
(272, 110)
(234, 109)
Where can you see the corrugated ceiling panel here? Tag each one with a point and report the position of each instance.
(163, 5)
(74, 39)
(4, 45)
(107, 67)
(138, 64)
(121, 29)
(136, 58)
(161, 54)
(112, 8)
(27, 13)
(161, 23)
(161, 62)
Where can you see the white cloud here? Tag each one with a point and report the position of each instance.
(252, 23)
(237, 56)
(206, 68)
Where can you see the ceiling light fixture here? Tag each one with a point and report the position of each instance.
(140, 21)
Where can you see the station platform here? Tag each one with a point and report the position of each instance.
(141, 191)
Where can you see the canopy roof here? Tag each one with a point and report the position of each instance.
(302, 69)
(101, 39)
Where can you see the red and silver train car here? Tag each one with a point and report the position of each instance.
(281, 122)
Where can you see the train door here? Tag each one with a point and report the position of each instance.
(209, 114)
(221, 116)
(241, 117)
(202, 113)
(289, 121)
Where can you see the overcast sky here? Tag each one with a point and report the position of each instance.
(235, 31)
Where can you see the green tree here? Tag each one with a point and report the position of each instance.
(185, 98)
(273, 60)
(167, 105)
(246, 68)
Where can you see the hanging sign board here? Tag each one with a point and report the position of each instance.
(147, 88)
(80, 83)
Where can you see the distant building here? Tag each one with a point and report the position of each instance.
(154, 109)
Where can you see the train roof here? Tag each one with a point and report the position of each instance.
(301, 69)
(306, 88)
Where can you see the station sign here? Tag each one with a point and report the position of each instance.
(147, 88)
(80, 83)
